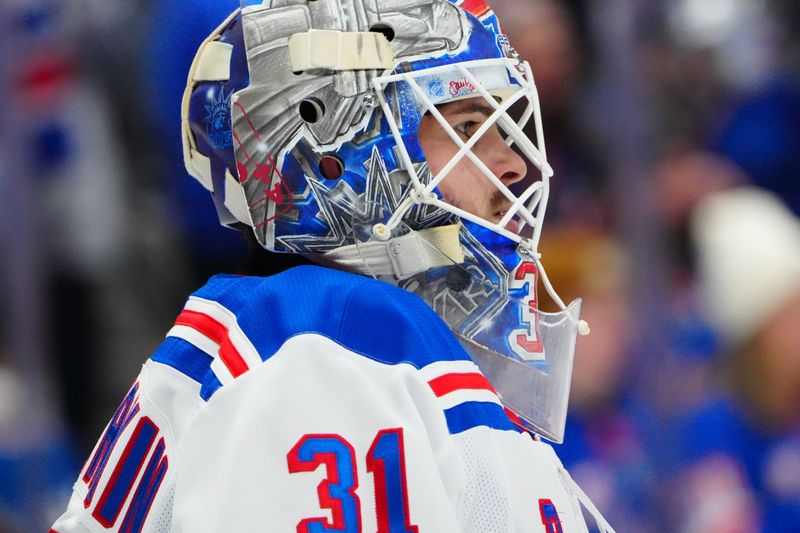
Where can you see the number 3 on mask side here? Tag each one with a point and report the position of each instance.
(527, 342)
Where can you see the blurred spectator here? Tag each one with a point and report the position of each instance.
(709, 53)
(732, 85)
(606, 440)
(762, 136)
(36, 474)
(741, 37)
(684, 177)
(544, 33)
(74, 167)
(64, 227)
(740, 451)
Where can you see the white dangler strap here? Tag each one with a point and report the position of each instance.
(582, 325)
(584, 500)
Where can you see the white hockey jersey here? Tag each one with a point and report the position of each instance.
(316, 401)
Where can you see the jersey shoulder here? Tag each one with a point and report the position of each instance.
(235, 322)
(365, 315)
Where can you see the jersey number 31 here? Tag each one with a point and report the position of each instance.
(337, 492)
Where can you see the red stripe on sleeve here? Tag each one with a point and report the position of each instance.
(517, 421)
(231, 357)
(217, 332)
(450, 382)
(203, 323)
(514, 417)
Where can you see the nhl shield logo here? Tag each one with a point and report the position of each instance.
(436, 87)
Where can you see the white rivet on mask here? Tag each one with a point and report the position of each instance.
(381, 232)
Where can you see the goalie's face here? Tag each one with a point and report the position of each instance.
(466, 187)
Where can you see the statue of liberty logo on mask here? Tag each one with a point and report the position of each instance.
(218, 125)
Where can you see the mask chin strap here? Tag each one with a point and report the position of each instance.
(602, 523)
(403, 256)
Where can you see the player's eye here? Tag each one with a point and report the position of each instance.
(467, 129)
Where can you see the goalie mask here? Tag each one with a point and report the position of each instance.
(303, 119)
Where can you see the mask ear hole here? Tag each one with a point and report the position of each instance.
(331, 167)
(311, 110)
(385, 29)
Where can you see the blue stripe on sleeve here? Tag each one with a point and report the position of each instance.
(469, 415)
(183, 357)
(209, 386)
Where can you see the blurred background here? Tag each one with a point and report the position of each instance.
(674, 130)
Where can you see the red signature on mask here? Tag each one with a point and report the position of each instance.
(456, 86)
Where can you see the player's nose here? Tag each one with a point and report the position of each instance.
(507, 164)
